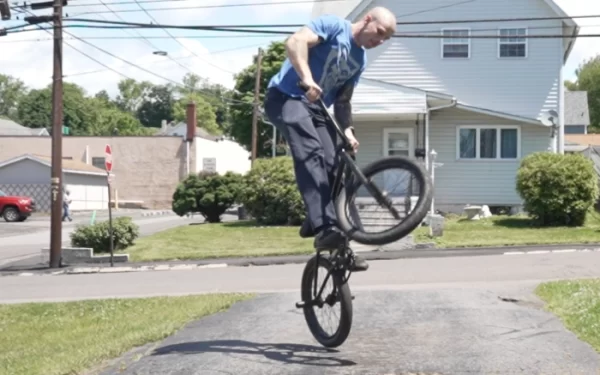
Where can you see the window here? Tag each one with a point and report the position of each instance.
(98, 162)
(488, 142)
(512, 43)
(456, 43)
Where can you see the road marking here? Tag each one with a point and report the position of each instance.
(561, 251)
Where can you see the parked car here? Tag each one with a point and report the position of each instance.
(15, 208)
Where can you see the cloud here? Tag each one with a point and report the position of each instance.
(214, 55)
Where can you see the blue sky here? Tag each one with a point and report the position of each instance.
(31, 61)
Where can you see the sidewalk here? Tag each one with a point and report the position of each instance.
(26, 268)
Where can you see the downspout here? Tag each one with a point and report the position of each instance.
(561, 111)
(427, 115)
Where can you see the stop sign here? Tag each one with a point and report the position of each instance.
(108, 158)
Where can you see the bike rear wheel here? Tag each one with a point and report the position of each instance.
(340, 294)
(347, 211)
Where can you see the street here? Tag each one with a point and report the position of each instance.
(461, 315)
(23, 240)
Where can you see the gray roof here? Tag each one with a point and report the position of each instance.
(576, 108)
(9, 127)
(200, 132)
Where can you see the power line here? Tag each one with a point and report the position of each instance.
(236, 5)
(248, 36)
(181, 44)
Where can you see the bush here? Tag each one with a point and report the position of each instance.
(557, 189)
(270, 193)
(97, 236)
(209, 193)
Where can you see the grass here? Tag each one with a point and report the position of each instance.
(577, 304)
(70, 337)
(232, 239)
(507, 231)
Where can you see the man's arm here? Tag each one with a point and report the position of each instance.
(342, 106)
(297, 47)
(318, 30)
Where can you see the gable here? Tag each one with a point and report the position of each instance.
(353, 9)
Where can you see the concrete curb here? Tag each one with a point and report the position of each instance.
(301, 259)
(158, 213)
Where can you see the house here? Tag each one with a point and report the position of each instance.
(29, 175)
(577, 112)
(9, 127)
(213, 153)
(472, 92)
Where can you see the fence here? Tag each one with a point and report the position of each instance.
(40, 193)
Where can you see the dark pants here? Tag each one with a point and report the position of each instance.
(311, 142)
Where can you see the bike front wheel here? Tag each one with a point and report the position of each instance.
(339, 295)
(395, 206)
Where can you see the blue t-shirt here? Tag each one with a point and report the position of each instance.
(335, 61)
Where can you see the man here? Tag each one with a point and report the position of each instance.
(328, 55)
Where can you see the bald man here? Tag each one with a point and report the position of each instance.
(328, 55)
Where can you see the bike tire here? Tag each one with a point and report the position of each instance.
(345, 300)
(411, 222)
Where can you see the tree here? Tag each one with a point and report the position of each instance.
(157, 106)
(241, 115)
(35, 109)
(213, 94)
(12, 90)
(132, 94)
(205, 115)
(588, 79)
(108, 120)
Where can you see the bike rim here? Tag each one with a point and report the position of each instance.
(327, 317)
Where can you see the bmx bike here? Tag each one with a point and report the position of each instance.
(348, 179)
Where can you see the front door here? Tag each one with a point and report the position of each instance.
(398, 142)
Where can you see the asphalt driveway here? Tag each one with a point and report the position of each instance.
(455, 330)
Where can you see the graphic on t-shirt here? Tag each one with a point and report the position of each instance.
(339, 67)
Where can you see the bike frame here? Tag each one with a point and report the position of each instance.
(346, 163)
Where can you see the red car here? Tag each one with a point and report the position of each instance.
(15, 208)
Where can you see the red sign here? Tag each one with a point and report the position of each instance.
(108, 163)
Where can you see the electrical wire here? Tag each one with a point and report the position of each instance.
(248, 36)
(181, 44)
(235, 5)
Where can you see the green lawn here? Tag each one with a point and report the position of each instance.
(506, 231)
(577, 304)
(70, 337)
(232, 239)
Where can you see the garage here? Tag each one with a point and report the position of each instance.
(29, 175)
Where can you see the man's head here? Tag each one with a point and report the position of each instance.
(377, 26)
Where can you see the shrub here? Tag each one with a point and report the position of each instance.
(209, 193)
(97, 236)
(270, 194)
(557, 189)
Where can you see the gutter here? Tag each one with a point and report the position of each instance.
(429, 110)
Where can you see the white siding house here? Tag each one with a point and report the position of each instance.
(476, 101)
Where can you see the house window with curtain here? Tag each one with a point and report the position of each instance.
(488, 142)
(512, 43)
(456, 43)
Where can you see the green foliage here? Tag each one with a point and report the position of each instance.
(97, 236)
(557, 189)
(12, 91)
(205, 114)
(588, 79)
(270, 192)
(209, 193)
(241, 115)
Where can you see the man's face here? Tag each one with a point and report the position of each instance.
(374, 33)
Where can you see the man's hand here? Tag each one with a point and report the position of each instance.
(313, 91)
(353, 141)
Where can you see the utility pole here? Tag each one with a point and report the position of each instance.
(57, 119)
(4, 10)
(255, 109)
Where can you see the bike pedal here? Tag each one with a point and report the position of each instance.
(353, 298)
(300, 305)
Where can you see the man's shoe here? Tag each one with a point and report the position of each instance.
(360, 264)
(329, 239)
(306, 230)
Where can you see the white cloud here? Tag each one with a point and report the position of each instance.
(31, 61)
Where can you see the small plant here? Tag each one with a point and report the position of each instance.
(97, 236)
(557, 189)
(208, 193)
(270, 193)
